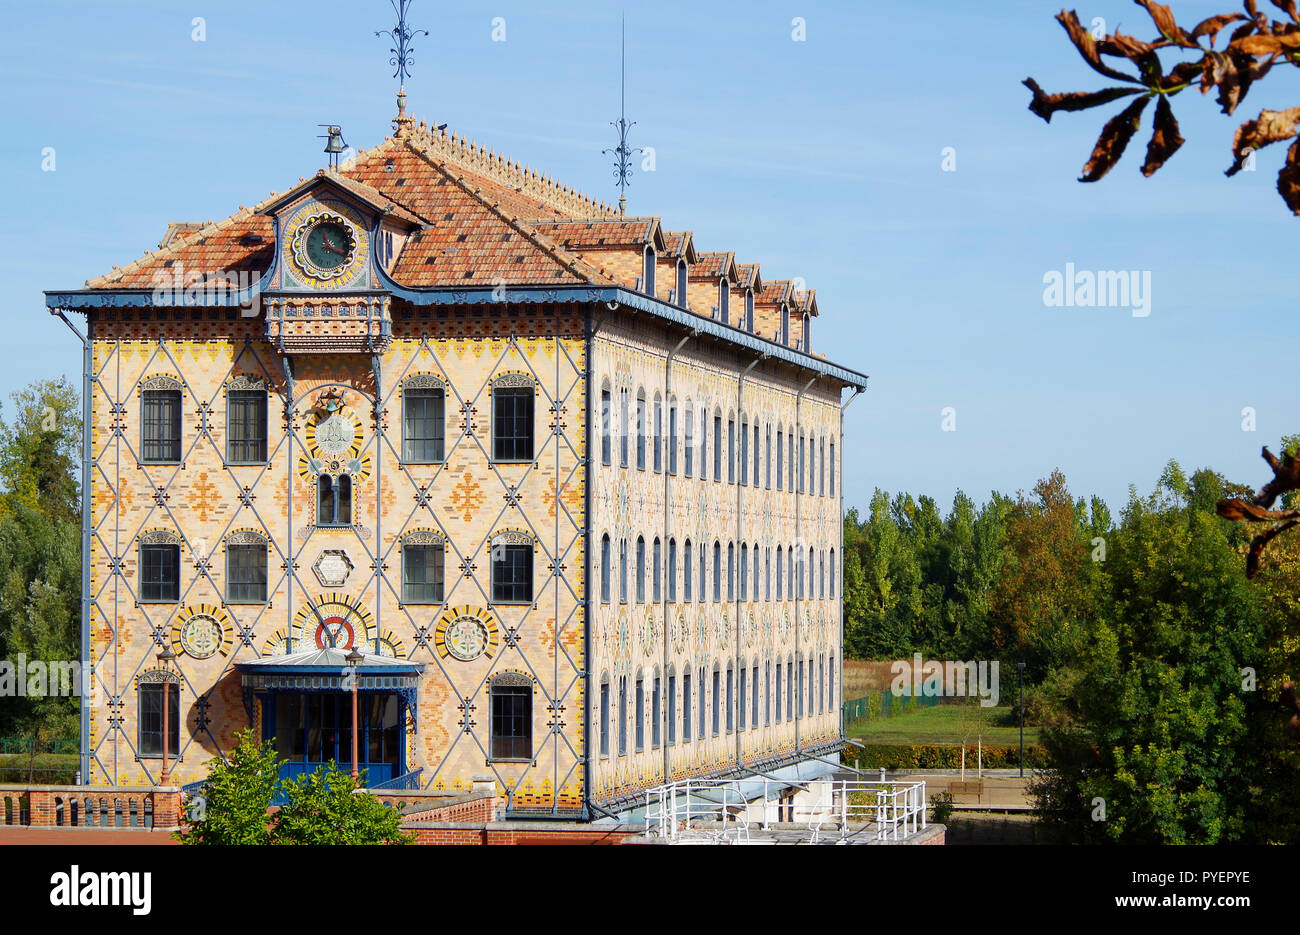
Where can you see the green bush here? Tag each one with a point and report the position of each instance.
(941, 808)
(894, 756)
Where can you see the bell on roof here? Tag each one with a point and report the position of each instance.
(334, 143)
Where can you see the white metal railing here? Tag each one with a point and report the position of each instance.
(725, 811)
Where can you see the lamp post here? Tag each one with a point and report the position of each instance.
(1020, 694)
(165, 660)
(354, 658)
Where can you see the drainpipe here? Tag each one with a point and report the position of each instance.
(377, 369)
(663, 554)
(839, 601)
(590, 327)
(740, 389)
(87, 366)
(798, 527)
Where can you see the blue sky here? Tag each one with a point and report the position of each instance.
(821, 159)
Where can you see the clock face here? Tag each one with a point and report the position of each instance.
(201, 636)
(466, 638)
(330, 245)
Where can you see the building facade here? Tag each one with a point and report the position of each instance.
(557, 491)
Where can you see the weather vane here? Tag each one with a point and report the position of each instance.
(622, 154)
(401, 36)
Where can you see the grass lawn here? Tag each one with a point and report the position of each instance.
(50, 769)
(943, 724)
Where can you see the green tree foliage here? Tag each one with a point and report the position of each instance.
(40, 552)
(323, 807)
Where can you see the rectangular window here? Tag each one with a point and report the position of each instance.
(246, 574)
(246, 426)
(512, 424)
(422, 574)
(160, 573)
(334, 500)
(422, 425)
(512, 574)
(160, 424)
(512, 722)
(151, 719)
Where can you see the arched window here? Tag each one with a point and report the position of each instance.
(757, 577)
(767, 691)
(749, 310)
(656, 702)
(604, 712)
(780, 457)
(686, 571)
(512, 717)
(717, 700)
(807, 333)
(605, 577)
(724, 300)
(672, 571)
(821, 471)
(606, 426)
(790, 579)
(767, 573)
(686, 705)
(658, 434)
(641, 426)
(512, 568)
(767, 458)
(731, 449)
(778, 691)
(670, 716)
(703, 576)
(689, 448)
(701, 689)
(681, 284)
(638, 709)
(672, 437)
(246, 568)
(622, 571)
(731, 688)
(754, 684)
(832, 466)
(423, 555)
(778, 572)
(717, 444)
(658, 571)
(624, 429)
(150, 687)
(622, 715)
(648, 271)
(640, 569)
(731, 571)
(717, 571)
(832, 573)
(744, 571)
(743, 699)
(831, 700)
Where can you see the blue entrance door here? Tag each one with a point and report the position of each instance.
(311, 728)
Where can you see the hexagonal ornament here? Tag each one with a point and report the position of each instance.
(332, 568)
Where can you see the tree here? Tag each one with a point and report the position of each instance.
(1250, 52)
(232, 804)
(328, 807)
(323, 807)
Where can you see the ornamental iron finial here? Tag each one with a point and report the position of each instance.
(622, 153)
(401, 35)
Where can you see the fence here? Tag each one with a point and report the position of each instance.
(24, 745)
(885, 704)
(724, 811)
(122, 807)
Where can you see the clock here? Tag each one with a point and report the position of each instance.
(466, 638)
(200, 636)
(330, 245)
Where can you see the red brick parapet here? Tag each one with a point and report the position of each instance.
(144, 808)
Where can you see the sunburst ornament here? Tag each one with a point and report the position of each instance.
(334, 620)
(201, 631)
(466, 633)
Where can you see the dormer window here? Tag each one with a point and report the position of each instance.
(807, 334)
(724, 301)
(681, 283)
(785, 324)
(648, 273)
(749, 310)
